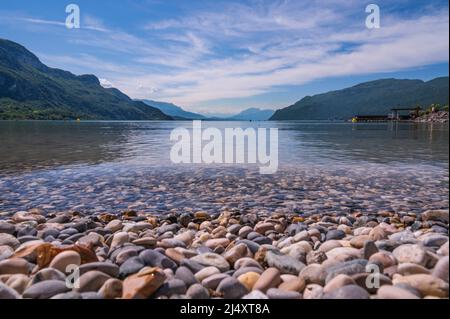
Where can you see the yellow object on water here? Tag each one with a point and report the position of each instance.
(354, 120)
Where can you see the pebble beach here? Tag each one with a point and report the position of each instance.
(341, 219)
(230, 254)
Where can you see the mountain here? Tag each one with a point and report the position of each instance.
(252, 114)
(174, 111)
(31, 90)
(370, 98)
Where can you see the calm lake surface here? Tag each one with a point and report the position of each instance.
(113, 166)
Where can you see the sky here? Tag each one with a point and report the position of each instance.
(223, 56)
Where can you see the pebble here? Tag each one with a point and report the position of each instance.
(237, 252)
(171, 287)
(411, 254)
(6, 252)
(338, 282)
(154, 258)
(335, 234)
(246, 262)
(92, 281)
(242, 252)
(270, 278)
(206, 272)
(352, 267)
(114, 225)
(111, 289)
(369, 249)
(244, 231)
(313, 291)
(18, 282)
(8, 292)
(64, 259)
(392, 292)
(411, 269)
(441, 269)
(68, 295)
(214, 243)
(119, 239)
(9, 240)
(186, 275)
(213, 281)
(14, 266)
(255, 294)
(297, 284)
(348, 292)
(263, 228)
(274, 293)
(436, 215)
(197, 291)
(434, 240)
(107, 268)
(286, 264)
(47, 274)
(144, 284)
(231, 288)
(131, 266)
(7, 228)
(211, 259)
(314, 274)
(45, 289)
(315, 257)
(428, 285)
(249, 279)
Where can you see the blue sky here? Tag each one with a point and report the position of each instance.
(222, 56)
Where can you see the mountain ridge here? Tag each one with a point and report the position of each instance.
(177, 112)
(30, 90)
(369, 98)
(253, 114)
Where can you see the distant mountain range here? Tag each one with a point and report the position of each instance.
(252, 114)
(178, 113)
(370, 98)
(174, 111)
(31, 90)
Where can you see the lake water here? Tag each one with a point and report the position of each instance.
(114, 166)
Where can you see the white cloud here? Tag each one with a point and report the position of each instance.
(399, 45)
(239, 51)
(105, 83)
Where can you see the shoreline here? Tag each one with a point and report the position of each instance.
(229, 255)
(436, 117)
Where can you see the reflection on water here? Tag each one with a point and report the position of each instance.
(35, 145)
(113, 166)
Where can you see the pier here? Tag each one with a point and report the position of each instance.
(396, 115)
